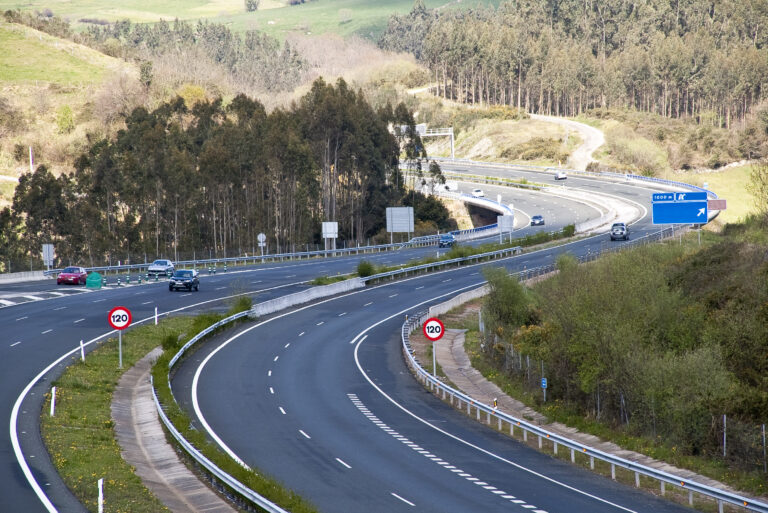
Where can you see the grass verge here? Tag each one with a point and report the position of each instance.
(81, 440)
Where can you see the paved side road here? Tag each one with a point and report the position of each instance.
(144, 446)
(592, 139)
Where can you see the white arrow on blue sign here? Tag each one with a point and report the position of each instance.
(543, 382)
(680, 208)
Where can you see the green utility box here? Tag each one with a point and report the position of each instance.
(93, 281)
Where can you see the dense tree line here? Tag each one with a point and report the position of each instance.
(212, 177)
(660, 341)
(697, 58)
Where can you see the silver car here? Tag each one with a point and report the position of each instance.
(160, 267)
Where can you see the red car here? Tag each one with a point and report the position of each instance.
(73, 275)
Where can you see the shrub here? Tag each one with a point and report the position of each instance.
(65, 120)
(365, 269)
(252, 5)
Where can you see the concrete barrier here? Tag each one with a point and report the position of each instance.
(305, 296)
(23, 276)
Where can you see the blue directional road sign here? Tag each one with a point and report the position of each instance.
(679, 208)
(543, 382)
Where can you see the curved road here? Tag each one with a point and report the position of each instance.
(321, 399)
(43, 322)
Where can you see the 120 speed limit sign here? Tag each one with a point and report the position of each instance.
(433, 329)
(119, 318)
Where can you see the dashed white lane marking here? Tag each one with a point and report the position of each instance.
(276, 357)
(368, 304)
(220, 288)
(404, 500)
(16, 343)
(446, 280)
(301, 334)
(271, 390)
(100, 300)
(342, 314)
(33, 298)
(305, 435)
(185, 295)
(282, 410)
(320, 323)
(79, 320)
(58, 294)
(146, 302)
(340, 461)
(258, 281)
(46, 331)
(59, 308)
(444, 464)
(21, 318)
(418, 288)
(288, 344)
(393, 295)
(269, 373)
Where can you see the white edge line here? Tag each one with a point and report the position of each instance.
(454, 437)
(20, 399)
(404, 500)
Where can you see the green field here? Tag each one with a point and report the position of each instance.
(29, 55)
(344, 17)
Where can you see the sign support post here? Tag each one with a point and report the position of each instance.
(433, 329)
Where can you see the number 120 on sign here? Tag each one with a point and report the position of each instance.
(433, 329)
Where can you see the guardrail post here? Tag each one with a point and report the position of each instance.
(719, 506)
(573, 456)
(477, 409)
(554, 447)
(488, 420)
(613, 476)
(690, 497)
(592, 462)
(663, 488)
(499, 423)
(525, 435)
(511, 429)
(539, 441)
(637, 480)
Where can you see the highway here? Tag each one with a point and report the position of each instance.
(42, 326)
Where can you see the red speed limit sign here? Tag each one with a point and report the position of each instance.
(433, 329)
(119, 318)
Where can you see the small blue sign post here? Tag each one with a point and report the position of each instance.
(680, 208)
(544, 388)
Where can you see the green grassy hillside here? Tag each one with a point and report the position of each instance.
(344, 17)
(42, 78)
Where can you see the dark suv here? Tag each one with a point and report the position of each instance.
(447, 240)
(619, 231)
(184, 279)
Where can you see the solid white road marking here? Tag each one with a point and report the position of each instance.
(361, 340)
(16, 343)
(282, 410)
(405, 501)
(340, 461)
(79, 320)
(305, 435)
(33, 298)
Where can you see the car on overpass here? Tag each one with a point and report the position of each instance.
(447, 240)
(537, 220)
(477, 193)
(560, 175)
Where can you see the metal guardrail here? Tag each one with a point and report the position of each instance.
(465, 401)
(211, 467)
